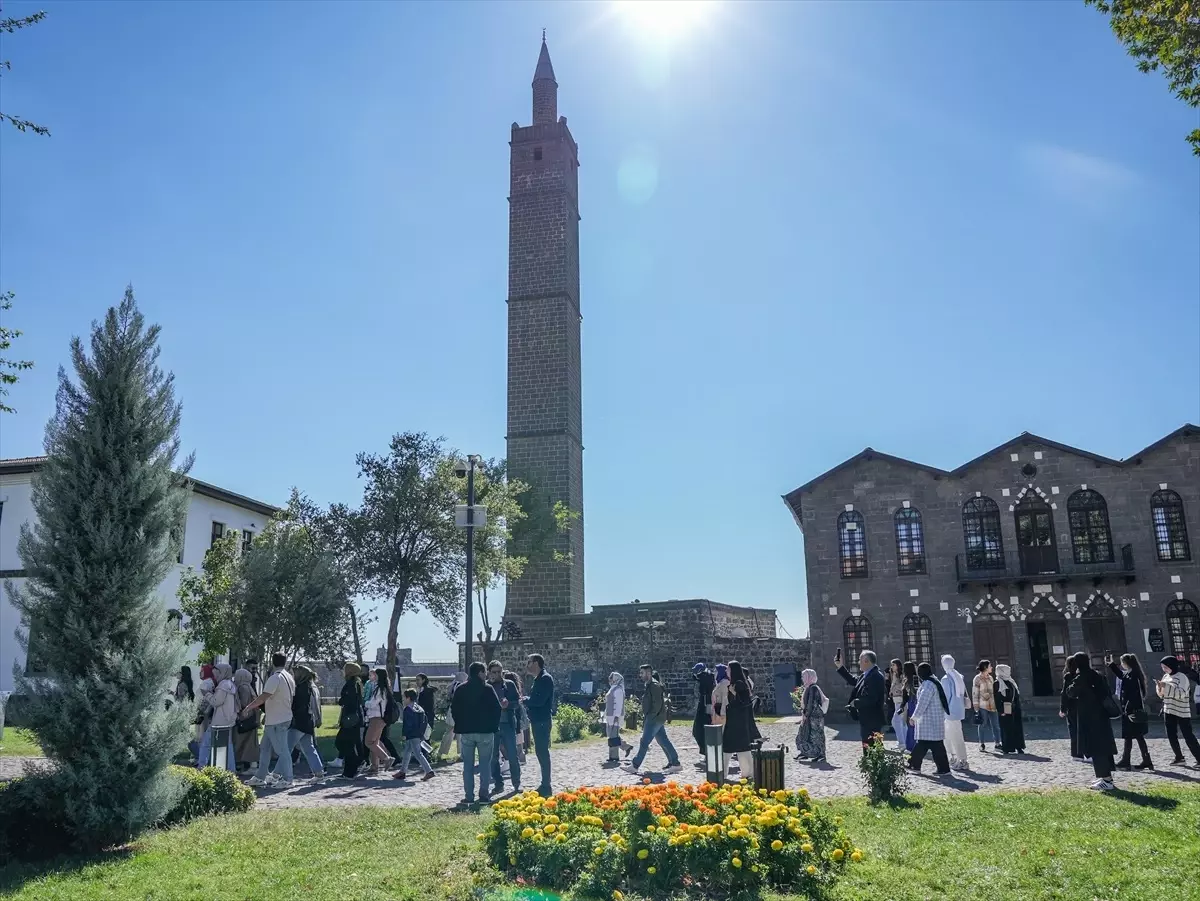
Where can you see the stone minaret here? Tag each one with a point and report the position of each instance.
(545, 416)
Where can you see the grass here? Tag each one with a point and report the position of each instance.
(19, 743)
(1060, 846)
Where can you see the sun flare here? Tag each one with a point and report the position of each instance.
(664, 18)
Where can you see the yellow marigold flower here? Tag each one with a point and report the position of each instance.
(754, 868)
(811, 870)
(856, 855)
(480, 837)
(806, 848)
(837, 821)
(651, 828)
(838, 854)
(527, 832)
(651, 870)
(777, 845)
(549, 828)
(599, 851)
(617, 896)
(643, 854)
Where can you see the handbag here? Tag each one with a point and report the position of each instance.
(1138, 716)
(1111, 709)
(249, 724)
(1008, 708)
(824, 703)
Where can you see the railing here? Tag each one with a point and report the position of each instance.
(1039, 563)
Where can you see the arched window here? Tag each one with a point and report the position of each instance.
(852, 540)
(910, 542)
(1183, 624)
(856, 638)
(918, 638)
(1170, 526)
(981, 532)
(1091, 538)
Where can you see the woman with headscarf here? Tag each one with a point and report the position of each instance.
(1008, 707)
(954, 687)
(720, 695)
(912, 684)
(1175, 691)
(614, 718)
(705, 683)
(350, 721)
(306, 718)
(1093, 704)
(245, 733)
(739, 715)
(810, 737)
(1066, 707)
(223, 709)
(929, 722)
(1135, 720)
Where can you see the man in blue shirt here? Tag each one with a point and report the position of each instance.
(539, 704)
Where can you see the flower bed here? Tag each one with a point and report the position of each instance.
(709, 840)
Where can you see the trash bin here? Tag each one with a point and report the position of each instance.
(768, 767)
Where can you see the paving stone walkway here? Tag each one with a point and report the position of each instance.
(1046, 765)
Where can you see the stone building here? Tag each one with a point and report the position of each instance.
(1024, 555)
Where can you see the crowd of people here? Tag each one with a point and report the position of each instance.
(926, 714)
(270, 726)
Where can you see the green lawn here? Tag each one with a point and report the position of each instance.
(19, 743)
(1068, 846)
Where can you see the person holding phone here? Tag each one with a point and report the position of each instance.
(868, 696)
(1135, 720)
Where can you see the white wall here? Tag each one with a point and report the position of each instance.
(17, 509)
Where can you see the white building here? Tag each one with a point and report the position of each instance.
(211, 512)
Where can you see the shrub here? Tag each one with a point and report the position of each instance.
(705, 840)
(595, 726)
(633, 712)
(33, 820)
(884, 772)
(797, 699)
(206, 792)
(571, 723)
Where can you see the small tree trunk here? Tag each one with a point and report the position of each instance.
(394, 626)
(354, 630)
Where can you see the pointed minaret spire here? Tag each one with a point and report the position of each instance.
(545, 88)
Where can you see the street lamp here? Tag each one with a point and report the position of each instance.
(469, 516)
(650, 625)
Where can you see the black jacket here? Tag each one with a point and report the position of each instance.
(475, 708)
(1095, 729)
(302, 718)
(506, 688)
(868, 699)
(1133, 700)
(425, 702)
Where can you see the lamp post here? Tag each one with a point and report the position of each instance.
(650, 625)
(469, 516)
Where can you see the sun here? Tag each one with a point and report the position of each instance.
(664, 18)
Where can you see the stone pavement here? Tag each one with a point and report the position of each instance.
(1046, 765)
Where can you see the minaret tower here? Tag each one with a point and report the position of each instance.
(545, 434)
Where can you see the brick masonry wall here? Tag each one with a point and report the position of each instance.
(545, 419)
(878, 487)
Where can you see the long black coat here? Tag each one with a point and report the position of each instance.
(868, 699)
(1095, 728)
(705, 683)
(1133, 699)
(739, 719)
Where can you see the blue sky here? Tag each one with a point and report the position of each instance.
(807, 228)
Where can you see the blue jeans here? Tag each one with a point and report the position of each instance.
(412, 749)
(481, 742)
(308, 748)
(204, 757)
(655, 731)
(541, 745)
(506, 737)
(275, 740)
(990, 720)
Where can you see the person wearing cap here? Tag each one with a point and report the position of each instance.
(705, 683)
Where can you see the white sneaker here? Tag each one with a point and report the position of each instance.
(337, 764)
(255, 781)
(1102, 785)
(674, 768)
(282, 783)
(631, 769)
(272, 779)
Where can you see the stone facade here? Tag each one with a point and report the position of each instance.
(609, 639)
(1030, 606)
(545, 419)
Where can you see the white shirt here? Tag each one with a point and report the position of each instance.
(282, 689)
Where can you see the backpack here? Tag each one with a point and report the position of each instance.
(391, 710)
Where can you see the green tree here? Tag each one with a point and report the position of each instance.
(494, 561)
(405, 544)
(289, 596)
(1161, 34)
(107, 503)
(206, 597)
(9, 368)
(8, 26)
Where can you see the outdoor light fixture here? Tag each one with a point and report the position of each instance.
(714, 754)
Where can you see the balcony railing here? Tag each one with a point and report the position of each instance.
(1040, 564)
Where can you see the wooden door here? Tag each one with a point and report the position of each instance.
(1035, 537)
(1060, 649)
(994, 642)
(1103, 633)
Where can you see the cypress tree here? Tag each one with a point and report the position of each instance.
(109, 504)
